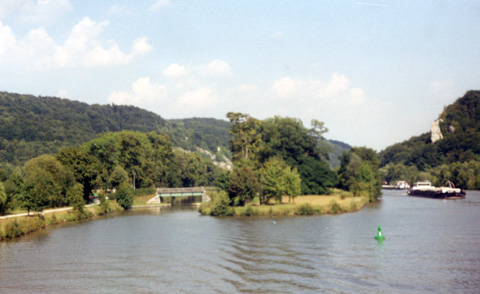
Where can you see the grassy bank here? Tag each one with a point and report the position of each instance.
(15, 227)
(338, 202)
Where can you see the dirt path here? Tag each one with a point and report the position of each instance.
(44, 212)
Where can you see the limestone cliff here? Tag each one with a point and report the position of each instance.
(435, 132)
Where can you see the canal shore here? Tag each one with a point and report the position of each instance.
(17, 225)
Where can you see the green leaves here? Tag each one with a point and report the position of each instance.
(359, 172)
(286, 138)
(124, 195)
(46, 183)
(244, 183)
(280, 179)
(3, 199)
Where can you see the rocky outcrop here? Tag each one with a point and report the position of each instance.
(436, 133)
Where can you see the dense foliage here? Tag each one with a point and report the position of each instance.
(31, 126)
(277, 157)
(359, 172)
(455, 157)
(123, 161)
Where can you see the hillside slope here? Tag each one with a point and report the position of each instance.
(460, 127)
(31, 126)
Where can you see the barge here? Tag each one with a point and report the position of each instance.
(425, 189)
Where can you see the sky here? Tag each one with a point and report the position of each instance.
(376, 72)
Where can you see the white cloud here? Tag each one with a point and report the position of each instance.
(143, 94)
(337, 90)
(198, 99)
(357, 96)
(174, 70)
(159, 5)
(286, 87)
(218, 68)
(338, 84)
(84, 47)
(141, 46)
(7, 39)
(35, 11)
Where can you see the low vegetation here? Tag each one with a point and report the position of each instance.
(19, 226)
(338, 202)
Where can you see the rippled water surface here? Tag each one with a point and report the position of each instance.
(431, 246)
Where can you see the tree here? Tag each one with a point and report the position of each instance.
(274, 184)
(105, 149)
(293, 186)
(75, 198)
(160, 158)
(38, 187)
(119, 175)
(85, 167)
(13, 188)
(246, 141)
(133, 148)
(3, 199)
(317, 178)
(359, 172)
(220, 204)
(46, 176)
(316, 132)
(124, 195)
(244, 184)
(300, 148)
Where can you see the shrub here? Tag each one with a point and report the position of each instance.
(249, 211)
(353, 205)
(305, 209)
(335, 207)
(218, 205)
(124, 195)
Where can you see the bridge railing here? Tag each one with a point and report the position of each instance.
(181, 190)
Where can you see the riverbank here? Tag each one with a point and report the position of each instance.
(336, 203)
(18, 225)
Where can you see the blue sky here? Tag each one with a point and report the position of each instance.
(376, 72)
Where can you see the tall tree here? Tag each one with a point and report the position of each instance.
(245, 138)
(85, 167)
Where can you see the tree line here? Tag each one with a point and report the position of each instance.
(272, 158)
(123, 161)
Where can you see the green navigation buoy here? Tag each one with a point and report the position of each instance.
(379, 235)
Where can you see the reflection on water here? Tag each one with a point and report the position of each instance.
(430, 246)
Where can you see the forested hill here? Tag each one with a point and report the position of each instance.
(31, 126)
(460, 127)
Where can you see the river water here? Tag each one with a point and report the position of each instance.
(431, 246)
